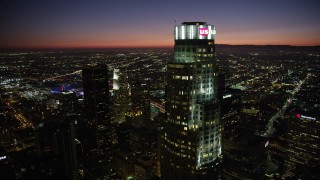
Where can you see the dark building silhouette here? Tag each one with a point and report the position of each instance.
(7, 170)
(230, 111)
(68, 102)
(56, 140)
(97, 103)
(244, 156)
(140, 101)
(135, 155)
(191, 134)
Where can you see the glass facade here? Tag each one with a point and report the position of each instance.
(97, 100)
(191, 134)
(303, 149)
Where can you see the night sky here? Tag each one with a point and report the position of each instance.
(141, 23)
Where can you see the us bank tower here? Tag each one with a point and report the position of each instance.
(191, 133)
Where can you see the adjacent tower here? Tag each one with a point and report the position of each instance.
(96, 97)
(303, 149)
(191, 134)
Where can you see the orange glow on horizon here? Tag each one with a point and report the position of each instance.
(153, 41)
(136, 46)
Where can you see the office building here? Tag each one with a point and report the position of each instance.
(96, 99)
(140, 101)
(191, 134)
(230, 112)
(55, 141)
(119, 96)
(303, 150)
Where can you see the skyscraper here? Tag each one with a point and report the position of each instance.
(55, 140)
(191, 134)
(140, 101)
(96, 97)
(119, 96)
(303, 149)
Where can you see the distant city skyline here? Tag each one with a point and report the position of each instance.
(115, 24)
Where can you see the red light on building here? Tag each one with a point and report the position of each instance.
(298, 116)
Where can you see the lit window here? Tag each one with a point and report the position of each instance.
(184, 78)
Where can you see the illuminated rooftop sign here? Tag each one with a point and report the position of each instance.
(227, 96)
(194, 31)
(305, 117)
(206, 31)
